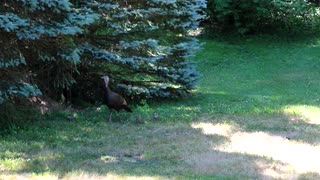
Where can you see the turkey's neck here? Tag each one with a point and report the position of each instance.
(108, 90)
(106, 83)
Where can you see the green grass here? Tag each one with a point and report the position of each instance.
(264, 89)
(256, 75)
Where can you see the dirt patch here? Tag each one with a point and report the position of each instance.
(238, 165)
(254, 154)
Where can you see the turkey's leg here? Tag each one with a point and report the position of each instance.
(110, 116)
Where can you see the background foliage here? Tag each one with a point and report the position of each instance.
(250, 16)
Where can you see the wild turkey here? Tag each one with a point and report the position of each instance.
(114, 100)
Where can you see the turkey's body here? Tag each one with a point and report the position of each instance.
(114, 100)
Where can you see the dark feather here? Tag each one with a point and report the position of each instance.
(114, 100)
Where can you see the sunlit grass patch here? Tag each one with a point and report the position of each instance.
(111, 176)
(214, 129)
(17, 176)
(307, 113)
(253, 154)
(301, 157)
(12, 164)
(78, 176)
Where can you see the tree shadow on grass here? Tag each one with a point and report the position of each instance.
(98, 149)
(249, 114)
(93, 148)
(288, 126)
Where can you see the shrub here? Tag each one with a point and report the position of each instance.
(247, 16)
(294, 15)
(241, 15)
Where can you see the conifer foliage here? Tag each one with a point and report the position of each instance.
(49, 46)
(37, 39)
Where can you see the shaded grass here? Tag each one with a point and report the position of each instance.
(96, 147)
(252, 84)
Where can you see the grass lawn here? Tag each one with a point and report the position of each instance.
(255, 115)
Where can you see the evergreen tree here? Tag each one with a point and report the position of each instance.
(36, 39)
(50, 45)
(144, 46)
